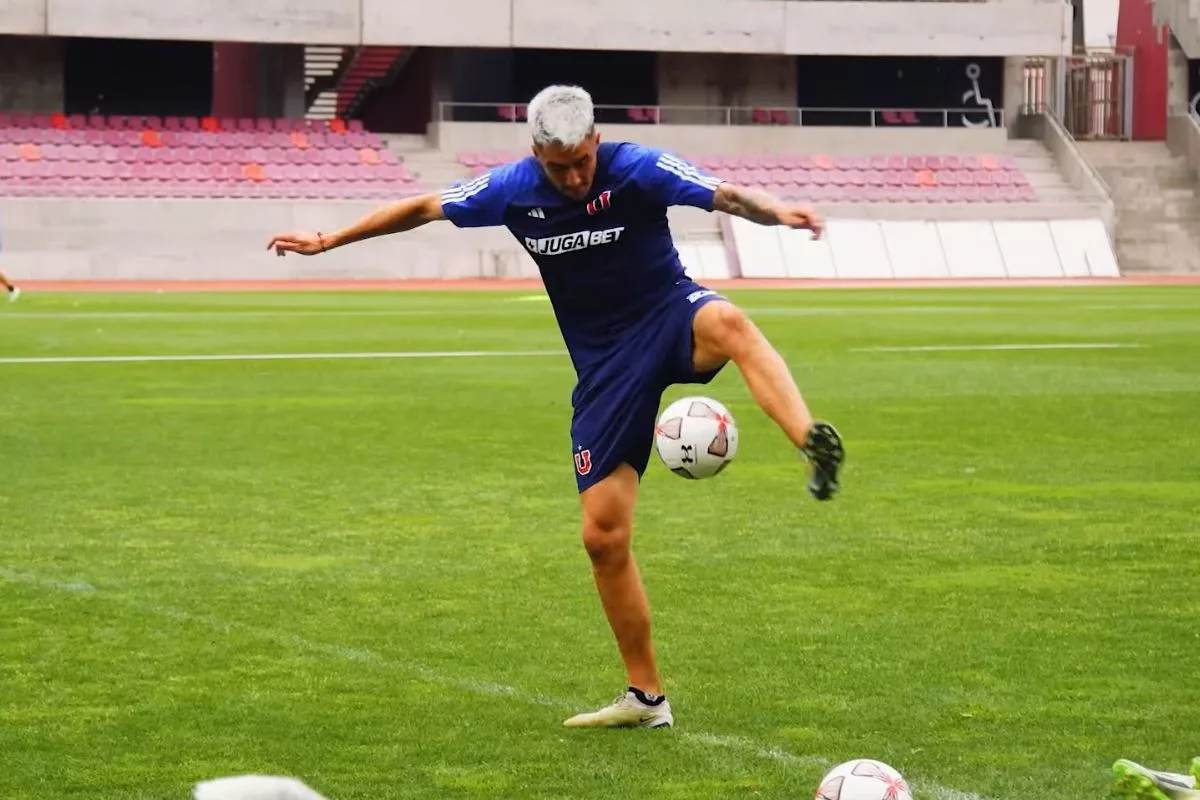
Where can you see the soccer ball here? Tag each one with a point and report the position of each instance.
(863, 779)
(696, 437)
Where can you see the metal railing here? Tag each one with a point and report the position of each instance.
(895, 117)
(1090, 93)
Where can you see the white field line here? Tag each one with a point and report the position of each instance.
(511, 306)
(283, 356)
(946, 348)
(740, 744)
(251, 314)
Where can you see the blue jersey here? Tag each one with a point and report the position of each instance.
(606, 261)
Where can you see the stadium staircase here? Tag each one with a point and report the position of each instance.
(339, 79)
(1158, 212)
(322, 64)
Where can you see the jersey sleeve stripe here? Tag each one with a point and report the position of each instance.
(464, 191)
(682, 168)
(691, 176)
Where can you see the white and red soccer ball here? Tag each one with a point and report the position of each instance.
(696, 437)
(863, 779)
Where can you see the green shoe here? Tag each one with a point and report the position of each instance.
(1132, 781)
(1196, 769)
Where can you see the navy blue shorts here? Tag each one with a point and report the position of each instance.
(616, 404)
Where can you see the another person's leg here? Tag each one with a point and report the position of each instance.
(1133, 781)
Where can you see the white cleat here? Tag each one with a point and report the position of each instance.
(13, 294)
(626, 712)
(254, 787)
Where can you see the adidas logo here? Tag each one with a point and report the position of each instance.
(537, 213)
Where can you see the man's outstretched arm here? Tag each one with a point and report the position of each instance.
(760, 207)
(403, 215)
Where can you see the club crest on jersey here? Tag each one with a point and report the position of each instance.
(601, 203)
(583, 462)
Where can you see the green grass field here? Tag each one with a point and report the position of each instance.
(367, 572)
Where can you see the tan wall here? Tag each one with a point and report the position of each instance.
(726, 79)
(458, 136)
(795, 27)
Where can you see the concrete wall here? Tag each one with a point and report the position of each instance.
(1075, 167)
(732, 79)
(1183, 139)
(112, 239)
(458, 136)
(23, 17)
(226, 240)
(797, 27)
(31, 73)
(1179, 98)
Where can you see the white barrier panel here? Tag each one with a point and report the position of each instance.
(714, 262)
(690, 260)
(804, 257)
(858, 249)
(971, 249)
(704, 260)
(758, 246)
(1027, 249)
(914, 249)
(1083, 248)
(874, 249)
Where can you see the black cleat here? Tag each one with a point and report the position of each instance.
(824, 452)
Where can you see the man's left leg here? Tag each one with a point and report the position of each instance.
(722, 332)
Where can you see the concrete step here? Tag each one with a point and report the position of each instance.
(1157, 204)
(407, 143)
(1026, 147)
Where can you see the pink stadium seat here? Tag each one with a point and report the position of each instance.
(253, 157)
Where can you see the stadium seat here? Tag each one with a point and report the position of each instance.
(879, 178)
(48, 155)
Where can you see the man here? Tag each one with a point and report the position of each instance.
(593, 217)
(1135, 782)
(12, 291)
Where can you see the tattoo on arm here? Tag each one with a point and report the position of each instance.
(752, 205)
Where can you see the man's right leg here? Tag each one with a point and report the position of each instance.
(607, 532)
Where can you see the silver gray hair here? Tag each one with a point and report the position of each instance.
(561, 115)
